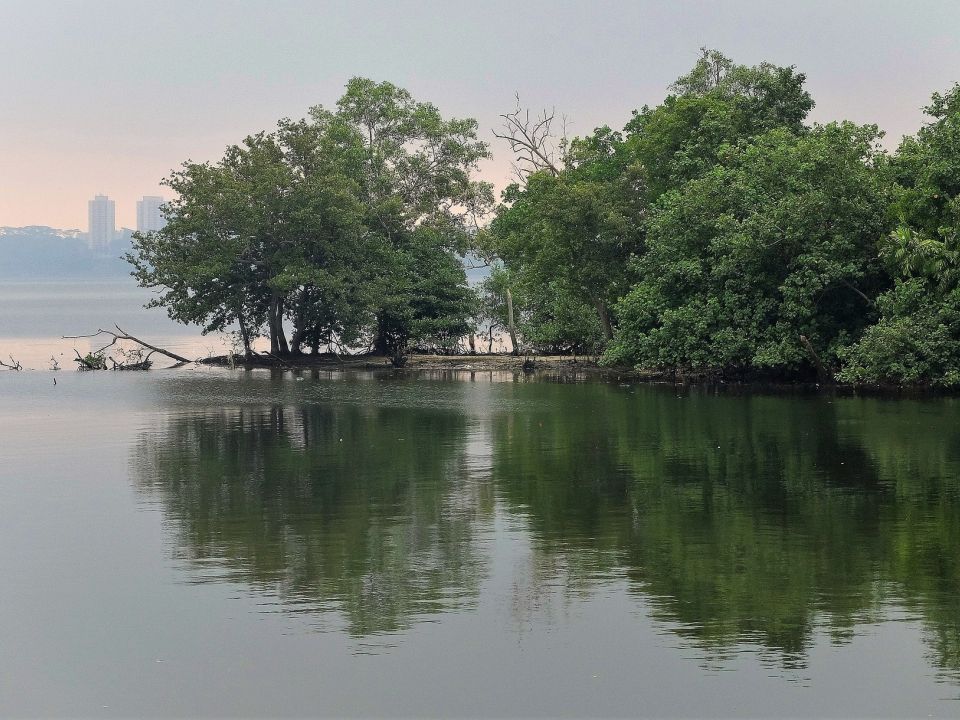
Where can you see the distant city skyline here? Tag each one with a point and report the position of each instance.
(101, 222)
(119, 94)
(101, 226)
(149, 216)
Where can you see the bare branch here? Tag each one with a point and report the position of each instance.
(15, 365)
(859, 292)
(121, 334)
(532, 141)
(173, 356)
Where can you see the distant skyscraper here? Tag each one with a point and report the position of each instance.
(102, 226)
(149, 217)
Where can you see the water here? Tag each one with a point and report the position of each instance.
(34, 317)
(203, 542)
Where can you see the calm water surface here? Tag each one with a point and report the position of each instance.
(198, 542)
(35, 315)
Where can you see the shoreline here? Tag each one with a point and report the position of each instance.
(563, 367)
(561, 364)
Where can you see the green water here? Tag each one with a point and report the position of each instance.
(212, 543)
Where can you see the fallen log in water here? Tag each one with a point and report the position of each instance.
(14, 366)
(133, 360)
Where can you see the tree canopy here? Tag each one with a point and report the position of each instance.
(345, 226)
(775, 242)
(917, 338)
(718, 232)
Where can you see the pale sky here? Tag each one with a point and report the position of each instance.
(108, 97)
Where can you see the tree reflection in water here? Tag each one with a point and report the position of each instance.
(326, 507)
(742, 520)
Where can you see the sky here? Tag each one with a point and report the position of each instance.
(109, 97)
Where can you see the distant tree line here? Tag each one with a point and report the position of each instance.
(717, 233)
(41, 253)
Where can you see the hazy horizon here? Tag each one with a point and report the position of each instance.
(108, 97)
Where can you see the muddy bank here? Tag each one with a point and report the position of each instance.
(553, 364)
(567, 367)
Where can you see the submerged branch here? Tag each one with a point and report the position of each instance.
(173, 356)
(93, 361)
(16, 366)
(122, 334)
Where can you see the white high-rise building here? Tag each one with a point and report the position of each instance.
(149, 217)
(102, 222)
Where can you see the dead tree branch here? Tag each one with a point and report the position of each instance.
(173, 356)
(122, 334)
(15, 365)
(133, 360)
(532, 141)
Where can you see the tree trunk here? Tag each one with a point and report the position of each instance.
(604, 319)
(381, 345)
(278, 341)
(284, 348)
(272, 326)
(296, 340)
(300, 333)
(823, 374)
(510, 324)
(244, 336)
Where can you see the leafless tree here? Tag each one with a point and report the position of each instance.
(534, 141)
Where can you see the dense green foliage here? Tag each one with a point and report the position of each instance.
(550, 319)
(718, 233)
(918, 336)
(346, 226)
(776, 242)
(721, 233)
(568, 236)
(716, 105)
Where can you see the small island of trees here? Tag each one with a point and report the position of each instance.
(719, 233)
